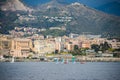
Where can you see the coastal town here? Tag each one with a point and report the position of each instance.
(59, 39)
(38, 46)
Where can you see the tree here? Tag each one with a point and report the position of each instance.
(56, 51)
(76, 47)
(95, 47)
(104, 46)
(80, 51)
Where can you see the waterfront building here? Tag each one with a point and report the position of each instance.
(76, 42)
(21, 47)
(86, 45)
(69, 46)
(115, 44)
(5, 44)
(98, 40)
(43, 47)
(59, 44)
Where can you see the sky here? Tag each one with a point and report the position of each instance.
(96, 3)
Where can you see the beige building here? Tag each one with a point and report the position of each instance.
(21, 47)
(98, 40)
(43, 47)
(69, 46)
(115, 44)
(58, 46)
(5, 44)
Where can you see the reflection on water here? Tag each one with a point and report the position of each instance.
(53, 71)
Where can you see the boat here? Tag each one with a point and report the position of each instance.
(62, 61)
(73, 59)
(66, 61)
(82, 62)
(56, 60)
(13, 60)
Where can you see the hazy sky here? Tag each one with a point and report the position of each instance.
(96, 3)
(93, 3)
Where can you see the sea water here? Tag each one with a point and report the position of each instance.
(53, 71)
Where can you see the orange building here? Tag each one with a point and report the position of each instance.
(86, 45)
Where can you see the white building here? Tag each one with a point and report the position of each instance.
(43, 47)
(114, 43)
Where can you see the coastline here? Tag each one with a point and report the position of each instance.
(78, 59)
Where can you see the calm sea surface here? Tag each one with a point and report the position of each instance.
(53, 71)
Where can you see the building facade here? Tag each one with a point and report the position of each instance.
(43, 47)
(21, 47)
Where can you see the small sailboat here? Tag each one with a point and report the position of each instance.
(13, 60)
(73, 59)
(57, 61)
(62, 61)
(82, 62)
(66, 61)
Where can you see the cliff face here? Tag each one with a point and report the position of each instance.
(14, 5)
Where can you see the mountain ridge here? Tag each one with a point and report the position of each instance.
(91, 3)
(82, 18)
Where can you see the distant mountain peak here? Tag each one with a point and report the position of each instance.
(14, 5)
(52, 4)
(76, 3)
